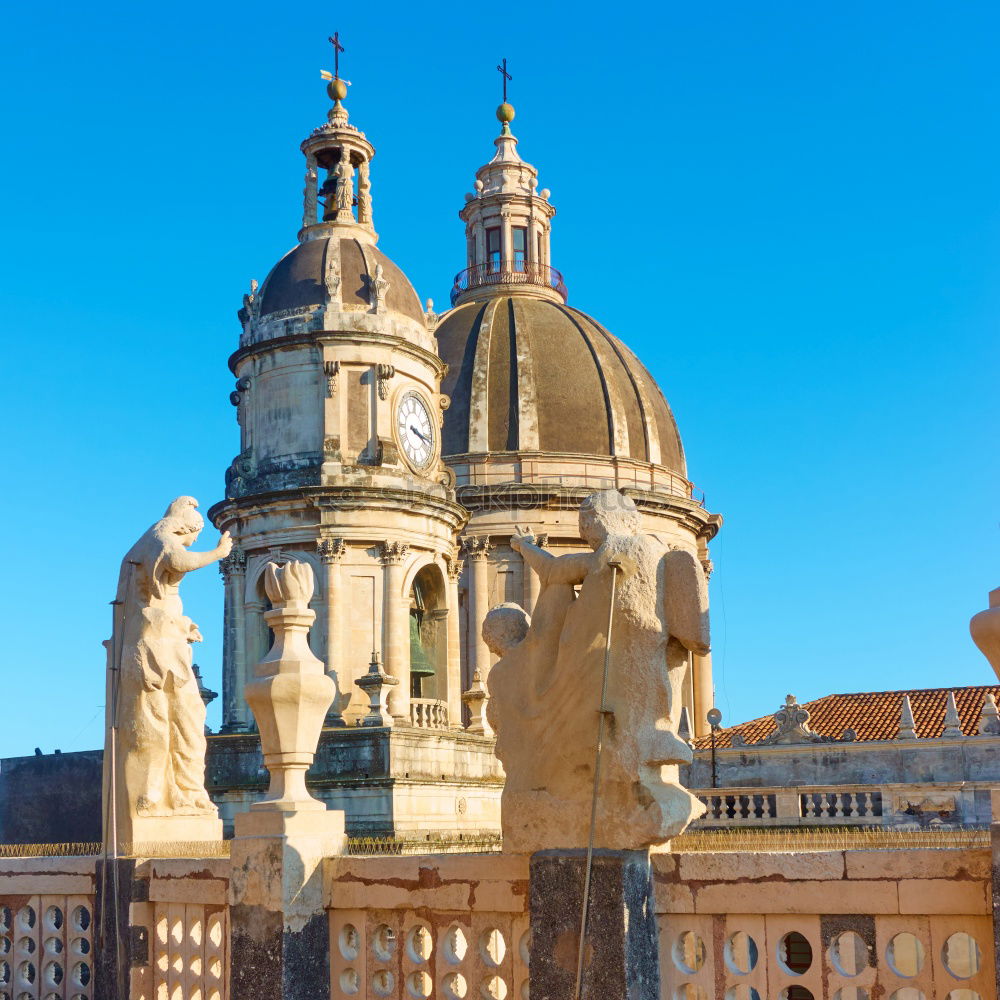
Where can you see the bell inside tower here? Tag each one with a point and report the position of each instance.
(428, 627)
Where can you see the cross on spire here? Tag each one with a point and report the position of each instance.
(334, 40)
(502, 70)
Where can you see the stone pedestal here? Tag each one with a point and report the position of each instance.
(620, 952)
(279, 933)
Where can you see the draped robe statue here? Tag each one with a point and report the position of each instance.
(160, 746)
(545, 691)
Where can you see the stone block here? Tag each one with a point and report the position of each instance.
(798, 897)
(919, 863)
(933, 896)
(732, 867)
(621, 948)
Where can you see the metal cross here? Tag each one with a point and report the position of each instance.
(334, 40)
(502, 70)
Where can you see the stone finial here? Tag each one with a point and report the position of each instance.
(989, 717)
(291, 692)
(952, 723)
(684, 726)
(376, 684)
(476, 698)
(792, 722)
(985, 631)
(430, 317)
(906, 730)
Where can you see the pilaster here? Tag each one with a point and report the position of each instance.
(454, 698)
(395, 631)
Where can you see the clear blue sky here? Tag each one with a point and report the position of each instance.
(790, 211)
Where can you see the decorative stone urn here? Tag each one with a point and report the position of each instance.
(985, 629)
(291, 693)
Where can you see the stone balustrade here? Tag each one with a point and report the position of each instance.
(428, 713)
(893, 805)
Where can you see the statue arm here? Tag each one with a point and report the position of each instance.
(686, 601)
(571, 568)
(182, 560)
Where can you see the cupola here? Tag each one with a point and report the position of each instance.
(507, 224)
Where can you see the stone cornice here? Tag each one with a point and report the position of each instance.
(357, 337)
(345, 498)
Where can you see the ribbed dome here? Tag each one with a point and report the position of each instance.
(296, 281)
(527, 374)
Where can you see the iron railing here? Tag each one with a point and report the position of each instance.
(508, 272)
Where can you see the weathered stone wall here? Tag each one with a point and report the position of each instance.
(51, 799)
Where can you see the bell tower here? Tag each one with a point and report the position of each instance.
(338, 400)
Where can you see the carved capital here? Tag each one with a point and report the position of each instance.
(476, 547)
(392, 553)
(235, 562)
(331, 550)
(453, 565)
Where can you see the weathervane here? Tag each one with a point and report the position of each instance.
(502, 70)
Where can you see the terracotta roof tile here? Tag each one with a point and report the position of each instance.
(873, 715)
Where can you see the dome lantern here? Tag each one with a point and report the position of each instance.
(507, 225)
(341, 200)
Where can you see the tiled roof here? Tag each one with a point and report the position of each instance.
(873, 715)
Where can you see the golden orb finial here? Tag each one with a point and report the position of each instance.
(505, 113)
(337, 89)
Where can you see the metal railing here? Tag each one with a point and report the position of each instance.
(508, 272)
(594, 478)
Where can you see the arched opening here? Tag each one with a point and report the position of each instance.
(428, 634)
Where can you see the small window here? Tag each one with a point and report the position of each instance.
(493, 249)
(520, 247)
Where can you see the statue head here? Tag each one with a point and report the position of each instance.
(608, 513)
(504, 627)
(182, 519)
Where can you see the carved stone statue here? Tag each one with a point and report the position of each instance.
(159, 753)
(378, 288)
(345, 186)
(545, 691)
(985, 629)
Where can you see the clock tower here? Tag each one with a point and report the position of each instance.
(337, 392)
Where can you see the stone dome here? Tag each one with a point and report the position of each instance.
(296, 281)
(529, 374)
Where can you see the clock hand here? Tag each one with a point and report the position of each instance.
(426, 440)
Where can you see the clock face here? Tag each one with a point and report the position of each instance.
(416, 430)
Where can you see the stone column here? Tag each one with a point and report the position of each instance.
(279, 929)
(477, 549)
(454, 694)
(506, 243)
(529, 578)
(233, 570)
(704, 693)
(331, 551)
(620, 946)
(250, 612)
(395, 629)
(480, 237)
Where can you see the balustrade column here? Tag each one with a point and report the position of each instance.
(529, 578)
(395, 629)
(331, 551)
(454, 660)
(233, 570)
(477, 549)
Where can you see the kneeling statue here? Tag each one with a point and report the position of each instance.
(545, 691)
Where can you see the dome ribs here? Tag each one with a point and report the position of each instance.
(524, 389)
(456, 433)
(613, 419)
(479, 384)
